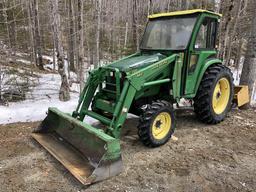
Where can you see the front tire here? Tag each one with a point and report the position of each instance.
(214, 96)
(156, 124)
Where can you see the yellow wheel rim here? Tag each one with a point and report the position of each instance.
(161, 125)
(221, 96)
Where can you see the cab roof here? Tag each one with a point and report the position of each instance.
(186, 12)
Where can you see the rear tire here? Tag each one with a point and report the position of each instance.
(215, 94)
(156, 124)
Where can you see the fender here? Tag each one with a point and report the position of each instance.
(204, 67)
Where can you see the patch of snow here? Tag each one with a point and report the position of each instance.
(28, 111)
(75, 87)
(254, 94)
(73, 75)
(49, 64)
(24, 61)
(34, 108)
(46, 57)
(22, 54)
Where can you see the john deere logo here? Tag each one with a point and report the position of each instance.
(161, 64)
(164, 62)
(139, 74)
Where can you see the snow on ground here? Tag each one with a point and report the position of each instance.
(49, 58)
(29, 111)
(21, 54)
(43, 96)
(24, 61)
(35, 107)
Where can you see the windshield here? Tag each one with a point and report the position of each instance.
(168, 33)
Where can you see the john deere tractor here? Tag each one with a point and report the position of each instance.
(177, 59)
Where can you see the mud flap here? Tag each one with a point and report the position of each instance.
(87, 152)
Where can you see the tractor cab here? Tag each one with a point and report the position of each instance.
(193, 33)
(168, 33)
(177, 31)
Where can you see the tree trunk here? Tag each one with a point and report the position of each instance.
(184, 5)
(71, 39)
(13, 31)
(98, 32)
(249, 69)
(0, 82)
(64, 94)
(134, 23)
(231, 36)
(38, 50)
(126, 35)
(149, 7)
(81, 43)
(5, 15)
(31, 34)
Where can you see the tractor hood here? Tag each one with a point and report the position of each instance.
(137, 62)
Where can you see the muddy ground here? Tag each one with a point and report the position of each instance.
(204, 158)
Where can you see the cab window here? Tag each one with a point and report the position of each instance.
(206, 37)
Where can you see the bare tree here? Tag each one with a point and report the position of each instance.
(64, 94)
(71, 35)
(135, 23)
(6, 22)
(38, 46)
(31, 32)
(99, 7)
(249, 69)
(81, 54)
(232, 34)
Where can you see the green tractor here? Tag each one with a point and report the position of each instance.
(177, 59)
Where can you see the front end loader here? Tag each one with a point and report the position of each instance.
(177, 59)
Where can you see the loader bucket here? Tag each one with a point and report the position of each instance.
(241, 96)
(87, 152)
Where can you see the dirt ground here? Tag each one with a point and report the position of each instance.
(204, 158)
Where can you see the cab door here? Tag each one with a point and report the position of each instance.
(204, 48)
